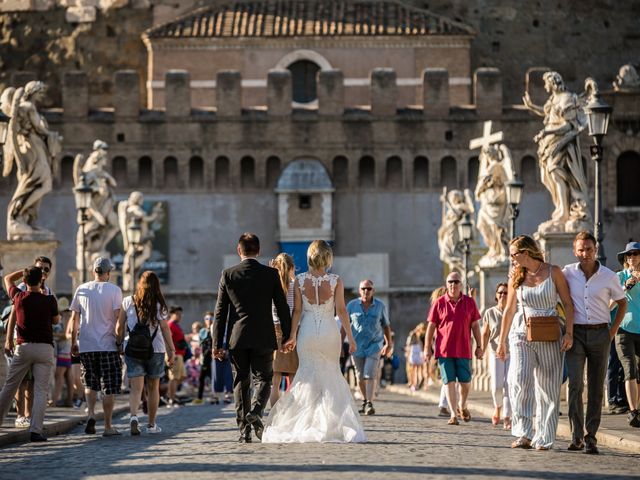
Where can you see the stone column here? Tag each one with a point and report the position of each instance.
(487, 92)
(384, 92)
(126, 98)
(75, 95)
(435, 92)
(177, 93)
(279, 93)
(330, 92)
(229, 93)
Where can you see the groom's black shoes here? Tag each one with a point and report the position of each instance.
(245, 437)
(255, 420)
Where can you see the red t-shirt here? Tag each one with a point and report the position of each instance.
(453, 325)
(177, 335)
(34, 313)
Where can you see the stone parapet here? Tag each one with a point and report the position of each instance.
(229, 93)
(75, 94)
(435, 92)
(126, 99)
(279, 94)
(487, 92)
(384, 92)
(177, 93)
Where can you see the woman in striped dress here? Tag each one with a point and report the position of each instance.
(535, 370)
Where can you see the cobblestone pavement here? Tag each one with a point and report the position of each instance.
(406, 440)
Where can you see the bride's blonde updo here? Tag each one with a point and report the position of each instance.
(319, 255)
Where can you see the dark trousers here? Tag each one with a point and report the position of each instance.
(205, 372)
(615, 379)
(592, 347)
(247, 363)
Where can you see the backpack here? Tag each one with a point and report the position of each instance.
(140, 343)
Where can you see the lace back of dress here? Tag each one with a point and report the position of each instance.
(318, 295)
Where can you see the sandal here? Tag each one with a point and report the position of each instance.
(542, 448)
(453, 421)
(522, 442)
(465, 414)
(495, 420)
(507, 423)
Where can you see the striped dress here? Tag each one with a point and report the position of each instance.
(535, 370)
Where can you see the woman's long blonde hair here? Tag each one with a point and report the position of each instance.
(524, 244)
(284, 264)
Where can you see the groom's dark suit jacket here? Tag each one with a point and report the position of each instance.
(245, 295)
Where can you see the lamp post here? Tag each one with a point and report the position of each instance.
(465, 232)
(514, 196)
(82, 194)
(134, 234)
(598, 113)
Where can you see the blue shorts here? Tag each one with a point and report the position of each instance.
(152, 368)
(452, 369)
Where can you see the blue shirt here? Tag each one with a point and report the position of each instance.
(368, 327)
(631, 320)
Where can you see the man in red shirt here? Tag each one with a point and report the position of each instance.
(452, 318)
(177, 372)
(35, 314)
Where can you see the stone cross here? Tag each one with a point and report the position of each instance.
(487, 137)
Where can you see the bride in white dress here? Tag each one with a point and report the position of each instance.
(318, 407)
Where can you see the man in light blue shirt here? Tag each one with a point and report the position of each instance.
(372, 332)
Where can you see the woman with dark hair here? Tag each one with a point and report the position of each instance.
(498, 368)
(145, 309)
(535, 371)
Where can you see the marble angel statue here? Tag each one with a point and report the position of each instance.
(131, 211)
(101, 220)
(455, 204)
(31, 148)
(496, 170)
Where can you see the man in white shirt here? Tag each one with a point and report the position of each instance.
(95, 308)
(593, 287)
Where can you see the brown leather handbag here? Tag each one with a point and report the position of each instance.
(542, 329)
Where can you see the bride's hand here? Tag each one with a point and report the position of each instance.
(352, 345)
(289, 345)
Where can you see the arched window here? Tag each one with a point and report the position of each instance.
(196, 172)
(394, 172)
(247, 172)
(473, 167)
(171, 172)
(303, 81)
(222, 172)
(628, 176)
(341, 172)
(367, 172)
(66, 171)
(119, 171)
(530, 175)
(421, 172)
(145, 172)
(449, 173)
(273, 171)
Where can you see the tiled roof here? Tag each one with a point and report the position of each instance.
(290, 18)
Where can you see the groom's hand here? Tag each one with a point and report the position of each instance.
(289, 345)
(218, 353)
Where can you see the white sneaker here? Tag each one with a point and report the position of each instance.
(133, 425)
(154, 428)
(22, 422)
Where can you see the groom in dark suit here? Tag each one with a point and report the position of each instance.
(244, 322)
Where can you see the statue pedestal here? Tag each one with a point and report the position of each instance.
(19, 254)
(489, 277)
(557, 247)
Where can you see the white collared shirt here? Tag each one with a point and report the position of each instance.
(591, 297)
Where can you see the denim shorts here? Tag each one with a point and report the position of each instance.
(367, 367)
(452, 369)
(152, 368)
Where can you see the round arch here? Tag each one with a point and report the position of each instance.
(298, 55)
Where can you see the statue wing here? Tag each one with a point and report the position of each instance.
(122, 223)
(469, 201)
(78, 164)
(507, 161)
(6, 105)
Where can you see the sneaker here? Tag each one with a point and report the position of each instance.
(111, 432)
(362, 407)
(22, 422)
(228, 399)
(634, 418)
(133, 425)
(91, 426)
(368, 409)
(77, 403)
(618, 409)
(154, 428)
(198, 401)
(37, 437)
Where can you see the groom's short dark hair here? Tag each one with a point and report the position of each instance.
(249, 244)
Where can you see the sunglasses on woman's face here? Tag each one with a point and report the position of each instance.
(455, 282)
(635, 253)
(501, 293)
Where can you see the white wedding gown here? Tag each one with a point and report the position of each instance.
(318, 407)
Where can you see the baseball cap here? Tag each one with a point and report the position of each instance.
(102, 265)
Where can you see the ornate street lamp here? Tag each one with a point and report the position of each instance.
(134, 234)
(465, 232)
(514, 196)
(598, 114)
(82, 194)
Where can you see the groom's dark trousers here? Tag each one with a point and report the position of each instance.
(244, 324)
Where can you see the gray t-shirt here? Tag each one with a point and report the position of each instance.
(97, 304)
(493, 318)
